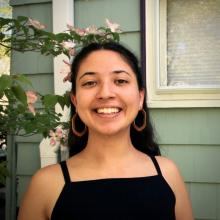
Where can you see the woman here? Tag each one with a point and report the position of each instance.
(115, 171)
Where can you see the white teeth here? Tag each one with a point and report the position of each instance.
(108, 110)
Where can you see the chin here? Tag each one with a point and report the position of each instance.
(112, 131)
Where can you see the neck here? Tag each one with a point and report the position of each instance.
(106, 149)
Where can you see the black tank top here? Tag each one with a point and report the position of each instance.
(148, 198)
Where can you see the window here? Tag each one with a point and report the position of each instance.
(183, 53)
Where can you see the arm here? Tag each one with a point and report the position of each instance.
(183, 208)
(34, 201)
(41, 195)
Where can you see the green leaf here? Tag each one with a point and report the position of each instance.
(23, 79)
(1, 94)
(61, 101)
(3, 172)
(19, 93)
(5, 21)
(22, 18)
(5, 82)
(50, 100)
(62, 37)
(64, 100)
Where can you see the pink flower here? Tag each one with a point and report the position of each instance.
(68, 44)
(31, 99)
(52, 141)
(80, 31)
(59, 133)
(36, 24)
(58, 136)
(113, 26)
(66, 70)
(72, 51)
(92, 30)
(70, 27)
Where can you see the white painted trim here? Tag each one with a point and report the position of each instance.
(62, 15)
(160, 95)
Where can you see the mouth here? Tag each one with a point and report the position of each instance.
(108, 110)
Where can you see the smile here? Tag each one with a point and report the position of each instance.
(111, 110)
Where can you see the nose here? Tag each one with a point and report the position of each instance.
(105, 91)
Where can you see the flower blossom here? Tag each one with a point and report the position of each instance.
(69, 46)
(31, 99)
(66, 70)
(59, 133)
(70, 27)
(114, 27)
(53, 140)
(58, 136)
(72, 51)
(80, 31)
(92, 30)
(36, 24)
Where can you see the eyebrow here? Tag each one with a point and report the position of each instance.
(93, 73)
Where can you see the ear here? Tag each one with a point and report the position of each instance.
(73, 99)
(142, 95)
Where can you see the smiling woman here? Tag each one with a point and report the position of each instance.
(115, 171)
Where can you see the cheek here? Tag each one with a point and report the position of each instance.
(133, 97)
(83, 100)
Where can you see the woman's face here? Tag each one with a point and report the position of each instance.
(107, 97)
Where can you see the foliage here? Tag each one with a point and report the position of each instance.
(18, 112)
(27, 34)
(16, 115)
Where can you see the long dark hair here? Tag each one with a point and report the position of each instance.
(144, 140)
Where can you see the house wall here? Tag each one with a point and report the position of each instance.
(189, 136)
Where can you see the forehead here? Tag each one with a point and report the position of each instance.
(104, 60)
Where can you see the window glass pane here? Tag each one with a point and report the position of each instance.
(193, 42)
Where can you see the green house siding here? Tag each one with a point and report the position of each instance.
(190, 137)
(124, 12)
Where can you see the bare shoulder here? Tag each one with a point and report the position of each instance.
(173, 177)
(44, 177)
(167, 165)
(42, 192)
(48, 173)
(170, 172)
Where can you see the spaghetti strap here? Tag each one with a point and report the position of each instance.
(156, 165)
(65, 172)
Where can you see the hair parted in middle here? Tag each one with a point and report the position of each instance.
(143, 140)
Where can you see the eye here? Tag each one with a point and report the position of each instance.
(121, 81)
(89, 84)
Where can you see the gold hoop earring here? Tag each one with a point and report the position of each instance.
(79, 134)
(142, 127)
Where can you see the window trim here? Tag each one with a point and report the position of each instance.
(154, 18)
(65, 10)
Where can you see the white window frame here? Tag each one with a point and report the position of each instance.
(159, 95)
